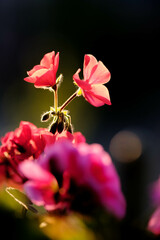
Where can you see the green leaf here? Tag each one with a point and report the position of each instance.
(21, 198)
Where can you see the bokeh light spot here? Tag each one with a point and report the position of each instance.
(125, 146)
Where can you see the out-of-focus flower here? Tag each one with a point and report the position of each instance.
(44, 75)
(26, 142)
(95, 75)
(98, 172)
(154, 222)
(85, 175)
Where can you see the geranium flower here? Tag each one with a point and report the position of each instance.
(85, 175)
(26, 142)
(95, 75)
(154, 221)
(44, 75)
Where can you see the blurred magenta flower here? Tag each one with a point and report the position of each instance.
(95, 75)
(85, 175)
(154, 222)
(44, 75)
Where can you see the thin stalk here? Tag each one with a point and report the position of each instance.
(56, 98)
(68, 100)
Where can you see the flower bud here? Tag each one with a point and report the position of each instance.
(45, 117)
(53, 127)
(60, 126)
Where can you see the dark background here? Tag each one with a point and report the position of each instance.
(124, 35)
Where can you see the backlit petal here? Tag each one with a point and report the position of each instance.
(76, 75)
(89, 62)
(36, 75)
(48, 59)
(93, 100)
(98, 95)
(34, 69)
(100, 75)
(30, 79)
(81, 83)
(101, 92)
(44, 78)
(56, 62)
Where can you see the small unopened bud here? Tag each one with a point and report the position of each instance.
(60, 127)
(53, 127)
(59, 79)
(45, 117)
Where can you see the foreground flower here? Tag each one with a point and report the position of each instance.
(154, 222)
(44, 75)
(95, 75)
(26, 142)
(85, 176)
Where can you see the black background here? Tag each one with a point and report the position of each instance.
(124, 35)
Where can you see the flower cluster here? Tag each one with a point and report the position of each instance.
(26, 142)
(68, 177)
(55, 167)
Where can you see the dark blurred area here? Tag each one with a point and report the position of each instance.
(125, 36)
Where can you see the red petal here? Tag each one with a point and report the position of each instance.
(76, 75)
(98, 95)
(30, 79)
(81, 83)
(44, 78)
(34, 69)
(89, 62)
(100, 74)
(31, 125)
(36, 75)
(79, 138)
(56, 62)
(22, 134)
(48, 59)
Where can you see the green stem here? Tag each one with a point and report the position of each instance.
(56, 98)
(69, 100)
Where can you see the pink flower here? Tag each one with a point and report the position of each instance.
(41, 185)
(44, 75)
(95, 75)
(95, 169)
(155, 192)
(50, 165)
(154, 222)
(26, 142)
(85, 175)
